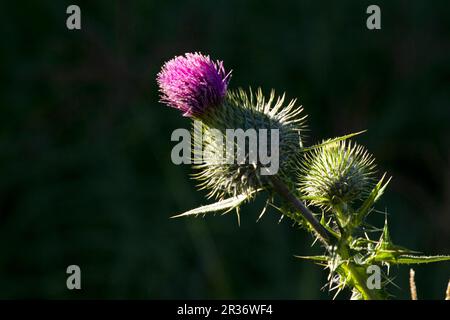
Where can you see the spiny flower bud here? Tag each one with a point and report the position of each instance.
(242, 111)
(336, 174)
(193, 83)
(198, 87)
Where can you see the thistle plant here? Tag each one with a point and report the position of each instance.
(328, 189)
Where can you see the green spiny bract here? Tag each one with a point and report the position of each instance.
(336, 174)
(242, 110)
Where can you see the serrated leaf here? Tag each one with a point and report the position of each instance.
(374, 195)
(329, 141)
(386, 251)
(314, 258)
(410, 259)
(227, 205)
(388, 255)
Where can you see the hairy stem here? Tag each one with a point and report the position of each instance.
(324, 235)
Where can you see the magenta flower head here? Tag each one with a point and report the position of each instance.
(193, 83)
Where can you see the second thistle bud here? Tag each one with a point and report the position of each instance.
(336, 174)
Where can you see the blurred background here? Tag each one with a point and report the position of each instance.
(85, 170)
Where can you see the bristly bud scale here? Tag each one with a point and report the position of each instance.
(247, 111)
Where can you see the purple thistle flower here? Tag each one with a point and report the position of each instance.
(192, 83)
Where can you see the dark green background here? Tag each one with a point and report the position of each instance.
(85, 170)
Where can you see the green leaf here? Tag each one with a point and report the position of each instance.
(374, 195)
(386, 251)
(329, 141)
(391, 254)
(227, 205)
(385, 242)
(314, 258)
(410, 259)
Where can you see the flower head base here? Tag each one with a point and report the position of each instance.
(249, 111)
(193, 83)
(336, 173)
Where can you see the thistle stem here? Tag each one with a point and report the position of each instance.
(360, 282)
(359, 279)
(325, 236)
